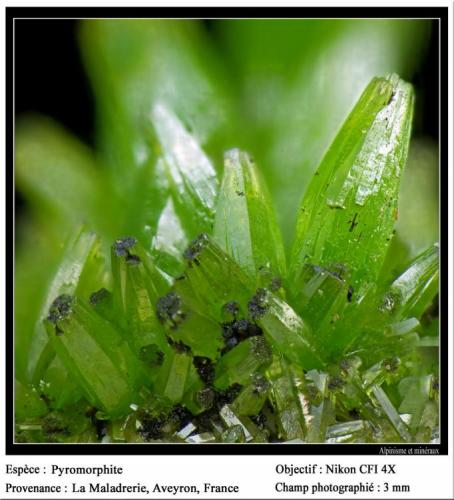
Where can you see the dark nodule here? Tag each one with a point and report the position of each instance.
(195, 247)
(123, 245)
(258, 306)
(98, 296)
(61, 308)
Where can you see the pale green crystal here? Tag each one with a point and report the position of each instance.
(245, 225)
(79, 337)
(413, 291)
(81, 266)
(286, 399)
(192, 177)
(284, 329)
(239, 364)
(349, 209)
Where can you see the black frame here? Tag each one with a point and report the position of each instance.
(12, 13)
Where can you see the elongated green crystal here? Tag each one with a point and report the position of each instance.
(322, 412)
(285, 329)
(382, 371)
(103, 303)
(349, 208)
(285, 398)
(94, 353)
(192, 177)
(245, 225)
(238, 430)
(80, 269)
(420, 402)
(414, 290)
(184, 324)
(322, 294)
(326, 300)
(234, 434)
(137, 286)
(170, 241)
(240, 364)
(382, 401)
(173, 376)
(212, 279)
(252, 397)
(354, 431)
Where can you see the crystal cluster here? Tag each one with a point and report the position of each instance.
(208, 334)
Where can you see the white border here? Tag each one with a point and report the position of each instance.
(432, 473)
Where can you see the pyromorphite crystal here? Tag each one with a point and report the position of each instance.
(413, 291)
(187, 327)
(212, 278)
(252, 397)
(245, 225)
(170, 241)
(173, 376)
(323, 294)
(192, 178)
(79, 268)
(284, 329)
(286, 400)
(94, 353)
(240, 364)
(137, 286)
(349, 209)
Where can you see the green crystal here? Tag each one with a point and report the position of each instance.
(245, 225)
(137, 286)
(384, 370)
(239, 364)
(191, 175)
(252, 397)
(284, 329)
(414, 290)
(173, 376)
(234, 434)
(185, 325)
(103, 303)
(322, 296)
(212, 279)
(80, 268)
(355, 431)
(419, 399)
(94, 353)
(349, 209)
(170, 241)
(322, 412)
(204, 437)
(427, 423)
(285, 397)
(381, 400)
(237, 426)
